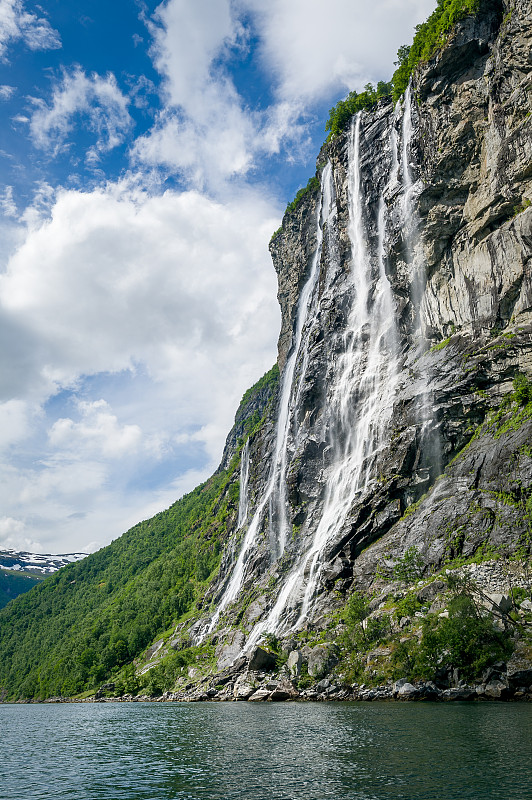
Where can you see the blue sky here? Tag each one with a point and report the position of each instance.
(147, 152)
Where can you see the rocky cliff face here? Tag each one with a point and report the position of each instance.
(405, 286)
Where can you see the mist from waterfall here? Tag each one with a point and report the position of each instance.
(243, 499)
(360, 400)
(274, 497)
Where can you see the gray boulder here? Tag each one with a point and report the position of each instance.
(244, 688)
(496, 689)
(498, 602)
(284, 691)
(407, 691)
(321, 659)
(259, 696)
(262, 660)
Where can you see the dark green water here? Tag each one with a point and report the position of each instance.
(266, 752)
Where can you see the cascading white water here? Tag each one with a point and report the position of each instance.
(410, 219)
(361, 399)
(298, 357)
(274, 497)
(243, 500)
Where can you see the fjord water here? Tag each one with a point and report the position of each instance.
(208, 751)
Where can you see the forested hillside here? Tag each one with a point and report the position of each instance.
(84, 622)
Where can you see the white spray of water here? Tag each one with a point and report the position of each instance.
(243, 500)
(298, 362)
(361, 399)
(274, 497)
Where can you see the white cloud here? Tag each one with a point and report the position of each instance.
(7, 203)
(17, 24)
(96, 99)
(205, 131)
(98, 432)
(6, 91)
(171, 296)
(14, 425)
(13, 536)
(118, 276)
(313, 50)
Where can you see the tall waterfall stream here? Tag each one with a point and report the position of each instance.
(360, 387)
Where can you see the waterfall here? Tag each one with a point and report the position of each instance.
(243, 501)
(274, 497)
(360, 401)
(362, 398)
(306, 315)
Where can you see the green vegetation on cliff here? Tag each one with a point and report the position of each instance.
(83, 624)
(268, 382)
(342, 112)
(430, 37)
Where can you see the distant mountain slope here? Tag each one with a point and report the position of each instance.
(12, 584)
(94, 615)
(21, 571)
(36, 563)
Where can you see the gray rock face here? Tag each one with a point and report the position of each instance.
(228, 651)
(320, 659)
(294, 663)
(443, 195)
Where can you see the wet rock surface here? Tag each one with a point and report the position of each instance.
(469, 160)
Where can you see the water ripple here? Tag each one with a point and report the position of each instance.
(266, 752)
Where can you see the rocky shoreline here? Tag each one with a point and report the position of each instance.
(500, 682)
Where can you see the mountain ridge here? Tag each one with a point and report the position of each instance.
(391, 452)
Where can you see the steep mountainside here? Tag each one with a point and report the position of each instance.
(396, 444)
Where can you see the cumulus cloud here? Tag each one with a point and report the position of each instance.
(205, 131)
(117, 276)
(96, 100)
(13, 422)
(98, 431)
(312, 50)
(18, 24)
(169, 301)
(13, 536)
